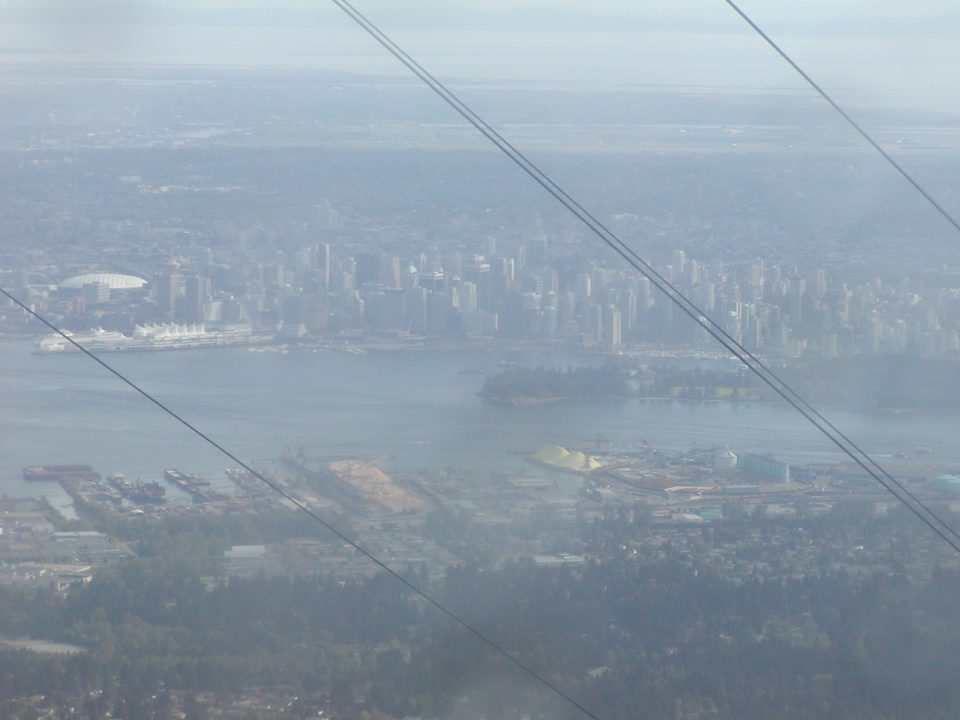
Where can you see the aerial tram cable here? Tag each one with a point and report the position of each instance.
(860, 130)
(926, 515)
(846, 116)
(860, 457)
(649, 271)
(305, 508)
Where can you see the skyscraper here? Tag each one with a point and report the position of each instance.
(320, 260)
(390, 275)
(195, 295)
(327, 217)
(168, 289)
(611, 326)
(478, 273)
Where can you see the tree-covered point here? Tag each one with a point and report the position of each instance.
(621, 378)
(884, 382)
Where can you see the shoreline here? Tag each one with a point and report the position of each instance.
(465, 345)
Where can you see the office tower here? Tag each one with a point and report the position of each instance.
(438, 312)
(679, 262)
(168, 290)
(195, 295)
(611, 326)
(583, 286)
(537, 253)
(478, 273)
(390, 272)
(416, 310)
(327, 218)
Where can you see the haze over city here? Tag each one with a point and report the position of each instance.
(464, 438)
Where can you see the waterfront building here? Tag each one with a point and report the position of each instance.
(765, 468)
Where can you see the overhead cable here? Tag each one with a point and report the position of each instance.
(926, 515)
(845, 115)
(861, 458)
(303, 507)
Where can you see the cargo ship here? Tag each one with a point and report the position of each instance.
(197, 488)
(139, 492)
(244, 479)
(164, 336)
(184, 481)
(59, 472)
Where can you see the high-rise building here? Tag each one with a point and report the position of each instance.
(679, 262)
(438, 312)
(316, 312)
(598, 281)
(320, 261)
(478, 273)
(611, 327)
(393, 311)
(566, 308)
(410, 277)
(327, 217)
(551, 281)
(583, 287)
(531, 314)
(416, 310)
(390, 276)
(468, 297)
(195, 295)
(550, 323)
(291, 310)
(366, 269)
(538, 252)
(593, 323)
(798, 289)
(274, 275)
(433, 280)
(168, 290)
(628, 310)
(503, 270)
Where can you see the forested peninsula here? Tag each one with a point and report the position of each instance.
(534, 386)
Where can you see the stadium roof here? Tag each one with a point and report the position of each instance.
(114, 281)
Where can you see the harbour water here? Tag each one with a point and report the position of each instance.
(413, 408)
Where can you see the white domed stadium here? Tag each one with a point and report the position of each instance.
(114, 281)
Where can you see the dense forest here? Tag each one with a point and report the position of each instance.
(876, 382)
(531, 385)
(666, 381)
(629, 637)
(883, 382)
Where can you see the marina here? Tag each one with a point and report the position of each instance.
(163, 336)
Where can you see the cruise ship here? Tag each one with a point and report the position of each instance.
(165, 336)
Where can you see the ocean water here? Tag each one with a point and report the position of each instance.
(411, 408)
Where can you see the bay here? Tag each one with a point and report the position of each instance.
(413, 409)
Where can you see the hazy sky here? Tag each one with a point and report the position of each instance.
(454, 12)
(897, 51)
